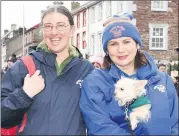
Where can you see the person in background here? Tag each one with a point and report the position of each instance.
(96, 61)
(176, 83)
(11, 60)
(2, 73)
(103, 115)
(162, 67)
(51, 96)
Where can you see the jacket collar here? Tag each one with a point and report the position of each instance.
(116, 73)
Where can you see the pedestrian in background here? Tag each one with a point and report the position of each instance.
(103, 114)
(11, 60)
(162, 67)
(51, 96)
(97, 61)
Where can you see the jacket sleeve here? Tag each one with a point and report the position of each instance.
(173, 103)
(14, 101)
(97, 120)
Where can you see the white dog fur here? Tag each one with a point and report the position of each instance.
(128, 89)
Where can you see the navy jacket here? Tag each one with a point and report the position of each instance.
(55, 110)
(103, 115)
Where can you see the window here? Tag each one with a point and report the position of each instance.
(77, 40)
(119, 6)
(100, 11)
(78, 21)
(99, 49)
(92, 15)
(159, 5)
(30, 36)
(33, 35)
(84, 18)
(84, 40)
(158, 37)
(108, 7)
(26, 39)
(92, 44)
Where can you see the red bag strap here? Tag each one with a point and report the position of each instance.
(29, 63)
(31, 67)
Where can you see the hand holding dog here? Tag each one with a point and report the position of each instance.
(34, 84)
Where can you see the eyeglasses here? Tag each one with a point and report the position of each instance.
(59, 27)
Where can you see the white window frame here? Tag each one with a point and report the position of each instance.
(165, 36)
(108, 8)
(100, 11)
(120, 6)
(99, 46)
(92, 44)
(153, 4)
(78, 41)
(92, 14)
(83, 38)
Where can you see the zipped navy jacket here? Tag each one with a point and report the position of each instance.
(55, 110)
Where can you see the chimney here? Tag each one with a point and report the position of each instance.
(13, 26)
(6, 31)
(74, 5)
(20, 31)
(60, 3)
(15, 32)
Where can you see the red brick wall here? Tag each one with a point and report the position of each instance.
(144, 16)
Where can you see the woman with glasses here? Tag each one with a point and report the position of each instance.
(50, 97)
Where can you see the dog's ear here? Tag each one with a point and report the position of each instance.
(140, 84)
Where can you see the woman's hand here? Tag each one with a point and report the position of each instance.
(34, 84)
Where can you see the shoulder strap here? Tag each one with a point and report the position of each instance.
(29, 63)
(31, 67)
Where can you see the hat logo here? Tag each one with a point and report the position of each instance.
(117, 30)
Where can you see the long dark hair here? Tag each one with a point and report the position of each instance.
(140, 60)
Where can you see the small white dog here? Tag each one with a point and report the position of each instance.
(126, 91)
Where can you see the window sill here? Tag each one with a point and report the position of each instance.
(154, 49)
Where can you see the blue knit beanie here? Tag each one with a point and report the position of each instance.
(120, 29)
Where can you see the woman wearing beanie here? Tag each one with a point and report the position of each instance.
(97, 61)
(103, 115)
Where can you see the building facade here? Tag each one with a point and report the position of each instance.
(158, 23)
(81, 16)
(88, 35)
(14, 45)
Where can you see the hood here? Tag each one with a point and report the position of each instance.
(72, 50)
(44, 55)
(148, 70)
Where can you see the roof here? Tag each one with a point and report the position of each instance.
(84, 6)
(34, 27)
(17, 35)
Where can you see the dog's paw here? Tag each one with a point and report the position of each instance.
(133, 120)
(134, 124)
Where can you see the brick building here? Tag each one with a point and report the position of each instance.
(158, 23)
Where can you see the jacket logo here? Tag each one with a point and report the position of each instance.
(117, 31)
(160, 88)
(79, 82)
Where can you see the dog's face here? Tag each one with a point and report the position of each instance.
(128, 89)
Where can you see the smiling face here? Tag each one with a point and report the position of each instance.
(57, 31)
(122, 51)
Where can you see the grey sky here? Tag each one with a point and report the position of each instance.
(11, 12)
